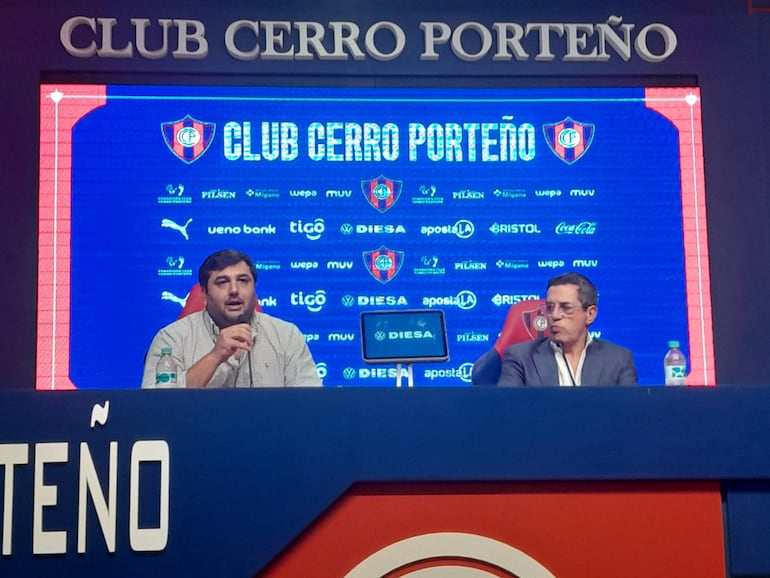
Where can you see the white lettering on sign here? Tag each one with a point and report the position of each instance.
(472, 41)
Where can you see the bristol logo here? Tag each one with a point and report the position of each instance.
(383, 264)
(188, 138)
(569, 139)
(382, 192)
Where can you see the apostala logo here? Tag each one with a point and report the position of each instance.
(188, 138)
(461, 372)
(464, 300)
(462, 229)
(381, 193)
(569, 139)
(383, 264)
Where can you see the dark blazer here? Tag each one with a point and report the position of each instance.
(533, 363)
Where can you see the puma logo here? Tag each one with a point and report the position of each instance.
(181, 228)
(169, 296)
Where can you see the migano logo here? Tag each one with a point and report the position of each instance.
(101, 492)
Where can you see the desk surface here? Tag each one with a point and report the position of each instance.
(258, 466)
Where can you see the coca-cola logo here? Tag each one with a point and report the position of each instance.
(582, 228)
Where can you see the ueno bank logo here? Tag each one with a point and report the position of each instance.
(245, 229)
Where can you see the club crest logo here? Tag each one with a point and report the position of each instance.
(188, 138)
(381, 193)
(383, 264)
(569, 139)
(535, 322)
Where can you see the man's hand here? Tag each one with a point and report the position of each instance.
(233, 340)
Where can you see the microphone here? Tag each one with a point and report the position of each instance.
(254, 336)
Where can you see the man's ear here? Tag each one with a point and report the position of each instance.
(591, 313)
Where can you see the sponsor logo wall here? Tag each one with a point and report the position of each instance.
(358, 199)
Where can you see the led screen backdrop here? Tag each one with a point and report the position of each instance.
(357, 199)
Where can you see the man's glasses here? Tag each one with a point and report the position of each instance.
(567, 309)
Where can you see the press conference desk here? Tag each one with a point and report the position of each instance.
(257, 467)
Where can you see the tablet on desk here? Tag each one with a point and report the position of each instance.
(405, 336)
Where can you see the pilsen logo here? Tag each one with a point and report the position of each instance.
(382, 192)
(188, 138)
(569, 139)
(383, 264)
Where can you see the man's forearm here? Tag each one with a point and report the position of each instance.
(199, 375)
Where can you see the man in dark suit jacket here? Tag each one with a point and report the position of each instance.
(570, 356)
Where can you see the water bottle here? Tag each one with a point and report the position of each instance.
(165, 370)
(675, 365)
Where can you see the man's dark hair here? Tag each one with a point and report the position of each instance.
(221, 260)
(586, 290)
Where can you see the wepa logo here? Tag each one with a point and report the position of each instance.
(188, 138)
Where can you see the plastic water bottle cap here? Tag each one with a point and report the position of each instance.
(671, 344)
